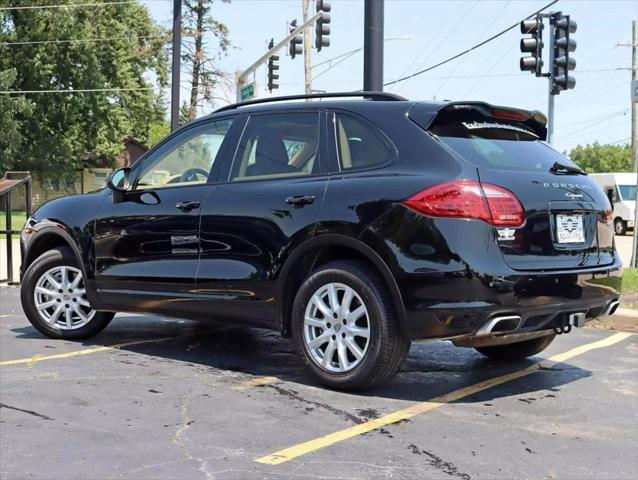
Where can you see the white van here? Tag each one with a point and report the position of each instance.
(620, 188)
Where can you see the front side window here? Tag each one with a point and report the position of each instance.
(360, 144)
(278, 146)
(187, 160)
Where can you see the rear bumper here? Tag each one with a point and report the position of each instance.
(449, 306)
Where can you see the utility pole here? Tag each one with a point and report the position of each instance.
(634, 132)
(177, 56)
(306, 49)
(373, 46)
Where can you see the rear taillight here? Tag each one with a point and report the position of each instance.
(469, 199)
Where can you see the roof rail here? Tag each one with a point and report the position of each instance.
(369, 95)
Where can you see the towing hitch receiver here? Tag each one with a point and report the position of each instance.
(566, 323)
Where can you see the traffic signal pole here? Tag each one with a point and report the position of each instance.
(634, 134)
(306, 53)
(177, 57)
(242, 77)
(373, 46)
(550, 89)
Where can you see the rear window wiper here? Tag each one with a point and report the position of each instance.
(562, 169)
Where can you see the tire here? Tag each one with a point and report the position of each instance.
(518, 350)
(620, 226)
(53, 263)
(381, 353)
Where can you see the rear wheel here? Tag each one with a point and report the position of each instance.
(54, 298)
(518, 350)
(620, 226)
(344, 329)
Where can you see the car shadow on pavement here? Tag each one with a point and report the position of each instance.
(431, 369)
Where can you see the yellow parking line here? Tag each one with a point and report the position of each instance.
(76, 353)
(295, 451)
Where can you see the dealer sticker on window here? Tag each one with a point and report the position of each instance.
(569, 229)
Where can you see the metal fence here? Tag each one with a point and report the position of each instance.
(10, 183)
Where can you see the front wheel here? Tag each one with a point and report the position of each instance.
(54, 298)
(344, 329)
(518, 350)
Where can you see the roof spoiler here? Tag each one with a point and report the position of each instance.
(424, 114)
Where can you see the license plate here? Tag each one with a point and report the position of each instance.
(569, 229)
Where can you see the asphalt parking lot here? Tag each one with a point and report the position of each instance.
(152, 398)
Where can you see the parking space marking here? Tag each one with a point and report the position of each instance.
(300, 449)
(76, 353)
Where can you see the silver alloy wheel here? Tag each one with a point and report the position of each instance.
(336, 328)
(60, 298)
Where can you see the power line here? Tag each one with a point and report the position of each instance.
(580, 131)
(79, 40)
(479, 37)
(69, 5)
(599, 117)
(428, 45)
(620, 141)
(83, 90)
(493, 37)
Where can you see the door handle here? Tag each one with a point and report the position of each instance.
(187, 206)
(300, 200)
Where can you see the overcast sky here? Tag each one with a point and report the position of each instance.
(598, 109)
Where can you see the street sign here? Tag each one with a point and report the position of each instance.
(634, 91)
(247, 92)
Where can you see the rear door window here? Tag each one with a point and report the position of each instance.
(278, 145)
(360, 144)
(498, 145)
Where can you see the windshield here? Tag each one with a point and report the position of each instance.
(627, 192)
(500, 146)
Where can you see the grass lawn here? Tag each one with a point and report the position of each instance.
(18, 219)
(627, 283)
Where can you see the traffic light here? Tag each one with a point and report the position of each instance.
(533, 45)
(296, 44)
(273, 69)
(322, 27)
(563, 46)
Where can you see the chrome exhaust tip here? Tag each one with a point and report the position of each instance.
(612, 307)
(503, 324)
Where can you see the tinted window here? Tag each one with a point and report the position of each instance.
(498, 145)
(278, 145)
(187, 159)
(360, 144)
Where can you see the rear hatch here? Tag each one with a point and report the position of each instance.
(567, 216)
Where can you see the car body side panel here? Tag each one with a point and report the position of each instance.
(73, 219)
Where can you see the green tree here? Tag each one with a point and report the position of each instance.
(13, 112)
(67, 131)
(200, 30)
(597, 158)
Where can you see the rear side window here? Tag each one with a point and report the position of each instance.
(497, 144)
(360, 144)
(278, 146)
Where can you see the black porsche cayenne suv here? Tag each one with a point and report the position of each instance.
(353, 226)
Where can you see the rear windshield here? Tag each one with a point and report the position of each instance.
(499, 145)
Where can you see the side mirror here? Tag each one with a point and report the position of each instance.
(120, 182)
